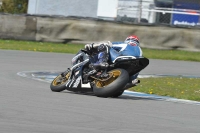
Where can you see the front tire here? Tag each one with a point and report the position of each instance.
(59, 83)
(111, 86)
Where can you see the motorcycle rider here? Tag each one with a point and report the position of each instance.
(130, 47)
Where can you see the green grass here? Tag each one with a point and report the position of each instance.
(172, 54)
(178, 87)
(73, 48)
(184, 88)
(40, 46)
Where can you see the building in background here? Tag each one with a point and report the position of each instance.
(122, 10)
(83, 8)
(169, 12)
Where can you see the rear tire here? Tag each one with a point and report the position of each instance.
(119, 93)
(112, 86)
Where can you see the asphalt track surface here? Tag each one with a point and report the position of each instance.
(28, 106)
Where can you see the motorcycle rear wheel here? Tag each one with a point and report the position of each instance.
(59, 83)
(113, 85)
(119, 93)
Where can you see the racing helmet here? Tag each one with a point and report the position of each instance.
(132, 40)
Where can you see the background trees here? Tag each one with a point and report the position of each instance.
(14, 6)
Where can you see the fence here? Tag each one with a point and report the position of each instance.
(168, 12)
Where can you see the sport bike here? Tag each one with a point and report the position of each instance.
(109, 82)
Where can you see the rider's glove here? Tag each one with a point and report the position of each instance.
(108, 43)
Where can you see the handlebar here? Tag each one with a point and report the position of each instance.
(85, 51)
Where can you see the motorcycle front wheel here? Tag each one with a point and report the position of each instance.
(59, 83)
(111, 86)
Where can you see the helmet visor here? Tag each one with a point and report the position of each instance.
(132, 42)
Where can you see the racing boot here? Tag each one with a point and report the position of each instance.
(97, 66)
(94, 68)
(86, 75)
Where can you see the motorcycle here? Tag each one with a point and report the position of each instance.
(109, 82)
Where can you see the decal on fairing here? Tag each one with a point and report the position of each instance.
(76, 73)
(77, 82)
(72, 81)
(68, 82)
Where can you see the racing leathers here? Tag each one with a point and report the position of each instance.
(108, 51)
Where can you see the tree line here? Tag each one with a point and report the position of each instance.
(14, 6)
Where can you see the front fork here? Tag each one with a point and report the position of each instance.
(63, 74)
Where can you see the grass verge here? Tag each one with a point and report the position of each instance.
(184, 88)
(178, 87)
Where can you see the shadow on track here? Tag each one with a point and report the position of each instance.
(122, 97)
